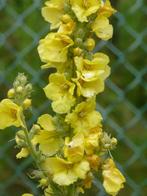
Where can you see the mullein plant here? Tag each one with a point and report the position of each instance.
(70, 148)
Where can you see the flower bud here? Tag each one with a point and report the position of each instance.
(90, 44)
(20, 138)
(16, 84)
(22, 78)
(11, 93)
(107, 146)
(19, 89)
(77, 51)
(66, 18)
(78, 42)
(28, 87)
(80, 32)
(114, 141)
(36, 127)
(43, 182)
(27, 103)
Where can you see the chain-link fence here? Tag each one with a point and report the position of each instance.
(123, 104)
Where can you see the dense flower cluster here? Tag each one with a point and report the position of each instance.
(71, 147)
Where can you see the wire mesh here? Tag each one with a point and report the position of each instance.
(123, 104)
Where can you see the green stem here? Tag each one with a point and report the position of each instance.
(30, 146)
(72, 191)
(35, 155)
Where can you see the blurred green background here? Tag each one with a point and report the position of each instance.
(123, 104)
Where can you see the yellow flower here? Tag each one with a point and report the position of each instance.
(19, 138)
(84, 8)
(10, 114)
(92, 139)
(84, 117)
(48, 138)
(53, 12)
(64, 172)
(67, 27)
(106, 9)
(53, 50)
(88, 181)
(74, 149)
(88, 89)
(102, 28)
(94, 161)
(113, 178)
(94, 69)
(60, 91)
(20, 141)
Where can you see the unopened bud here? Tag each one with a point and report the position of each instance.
(80, 33)
(27, 103)
(16, 83)
(78, 42)
(90, 44)
(22, 78)
(11, 93)
(114, 141)
(36, 127)
(20, 138)
(77, 51)
(19, 89)
(43, 182)
(107, 146)
(66, 18)
(28, 87)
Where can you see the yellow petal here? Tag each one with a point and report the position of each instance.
(106, 9)
(49, 142)
(64, 172)
(67, 28)
(53, 11)
(92, 139)
(84, 117)
(113, 178)
(10, 114)
(23, 153)
(94, 69)
(59, 66)
(83, 9)
(58, 87)
(63, 105)
(74, 150)
(65, 178)
(54, 165)
(102, 28)
(54, 48)
(60, 169)
(89, 89)
(81, 169)
(46, 122)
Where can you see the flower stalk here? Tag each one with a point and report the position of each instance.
(30, 146)
(70, 147)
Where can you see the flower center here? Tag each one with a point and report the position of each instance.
(13, 113)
